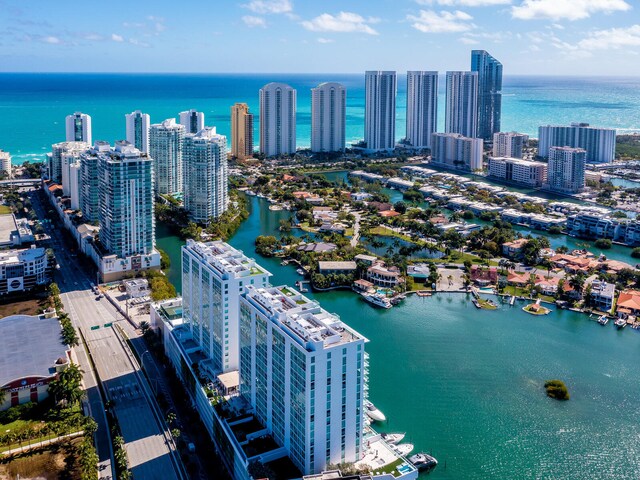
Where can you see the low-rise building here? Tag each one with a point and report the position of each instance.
(602, 295)
(14, 231)
(327, 268)
(484, 275)
(384, 276)
(514, 249)
(24, 270)
(518, 171)
(137, 287)
(628, 303)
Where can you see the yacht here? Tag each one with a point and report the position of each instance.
(423, 461)
(301, 271)
(403, 449)
(620, 323)
(377, 300)
(392, 438)
(373, 413)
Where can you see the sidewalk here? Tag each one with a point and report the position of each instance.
(44, 443)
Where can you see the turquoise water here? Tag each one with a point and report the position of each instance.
(467, 384)
(33, 106)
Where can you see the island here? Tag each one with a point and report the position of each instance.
(556, 389)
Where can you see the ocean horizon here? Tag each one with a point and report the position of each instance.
(42, 100)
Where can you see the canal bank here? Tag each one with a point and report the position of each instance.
(467, 384)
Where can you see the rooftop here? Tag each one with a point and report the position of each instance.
(348, 265)
(24, 255)
(225, 259)
(7, 228)
(303, 319)
(31, 345)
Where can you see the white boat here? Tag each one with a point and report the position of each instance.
(301, 271)
(404, 449)
(373, 413)
(423, 461)
(603, 320)
(392, 438)
(377, 300)
(620, 323)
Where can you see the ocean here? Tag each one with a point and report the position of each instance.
(33, 106)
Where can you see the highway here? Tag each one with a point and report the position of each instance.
(148, 443)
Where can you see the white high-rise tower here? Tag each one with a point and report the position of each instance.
(380, 110)
(422, 107)
(138, 130)
(461, 115)
(165, 147)
(328, 113)
(78, 127)
(277, 119)
(192, 120)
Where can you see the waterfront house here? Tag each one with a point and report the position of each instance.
(518, 279)
(327, 268)
(547, 286)
(383, 276)
(366, 259)
(602, 295)
(362, 285)
(514, 249)
(483, 276)
(628, 303)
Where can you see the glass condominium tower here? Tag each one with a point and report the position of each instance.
(380, 110)
(489, 92)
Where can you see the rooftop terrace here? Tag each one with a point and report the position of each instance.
(226, 259)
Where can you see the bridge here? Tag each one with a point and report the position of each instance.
(20, 182)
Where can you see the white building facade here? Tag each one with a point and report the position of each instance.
(192, 120)
(277, 119)
(452, 150)
(78, 127)
(516, 170)
(422, 108)
(328, 117)
(461, 113)
(166, 141)
(509, 144)
(380, 110)
(137, 125)
(54, 158)
(5, 163)
(599, 143)
(206, 189)
(566, 169)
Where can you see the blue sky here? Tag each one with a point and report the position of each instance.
(580, 37)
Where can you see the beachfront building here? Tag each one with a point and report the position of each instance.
(328, 117)
(70, 156)
(380, 110)
(127, 224)
(518, 171)
(58, 150)
(5, 163)
(452, 150)
(509, 144)
(489, 93)
(461, 107)
(599, 143)
(206, 190)
(23, 270)
(566, 169)
(241, 131)
(137, 124)
(214, 275)
(166, 141)
(192, 120)
(78, 127)
(277, 119)
(89, 180)
(302, 370)
(422, 108)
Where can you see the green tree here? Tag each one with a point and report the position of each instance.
(67, 386)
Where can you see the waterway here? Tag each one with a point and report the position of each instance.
(467, 385)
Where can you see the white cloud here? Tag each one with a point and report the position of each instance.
(325, 40)
(613, 38)
(566, 9)
(430, 21)
(464, 3)
(251, 21)
(270, 6)
(117, 38)
(342, 22)
(52, 40)
(468, 41)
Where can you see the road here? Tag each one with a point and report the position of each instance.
(150, 449)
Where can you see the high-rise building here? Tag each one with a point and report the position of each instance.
(138, 130)
(241, 131)
(192, 120)
(600, 143)
(90, 181)
(303, 372)
(422, 108)
(461, 113)
(380, 110)
(489, 92)
(127, 223)
(206, 190)
(78, 127)
(5, 163)
(277, 119)
(54, 159)
(328, 117)
(68, 159)
(566, 169)
(452, 150)
(516, 170)
(214, 275)
(509, 144)
(165, 148)
(75, 185)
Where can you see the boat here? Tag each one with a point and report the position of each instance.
(603, 320)
(423, 293)
(373, 413)
(423, 461)
(301, 271)
(620, 323)
(476, 303)
(513, 299)
(403, 449)
(284, 262)
(377, 300)
(397, 299)
(392, 438)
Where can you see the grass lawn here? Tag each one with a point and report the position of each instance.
(4, 209)
(386, 232)
(304, 226)
(33, 306)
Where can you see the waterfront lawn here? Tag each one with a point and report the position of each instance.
(390, 468)
(387, 232)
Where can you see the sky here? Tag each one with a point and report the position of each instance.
(548, 37)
